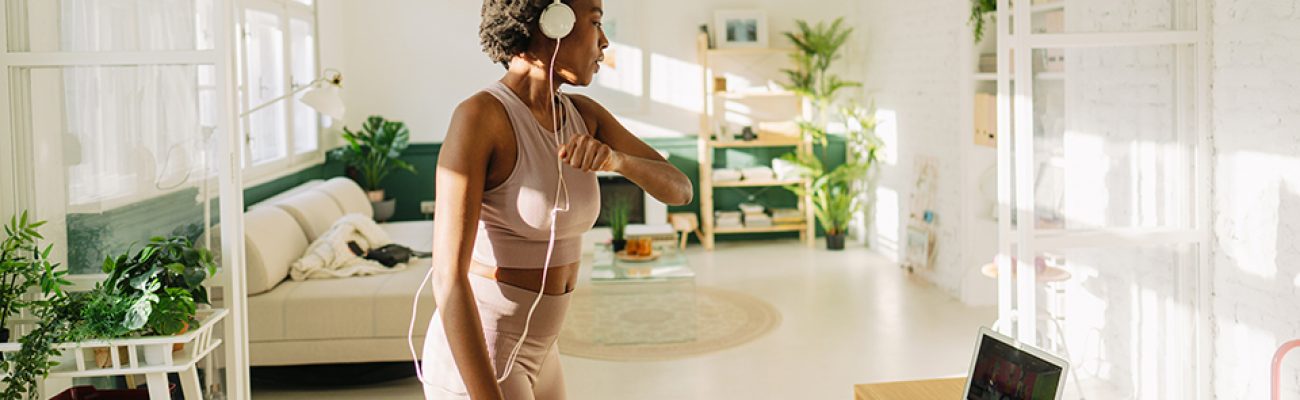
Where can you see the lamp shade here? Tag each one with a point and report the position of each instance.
(326, 100)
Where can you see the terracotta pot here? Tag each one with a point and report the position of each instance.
(104, 359)
(179, 346)
(375, 195)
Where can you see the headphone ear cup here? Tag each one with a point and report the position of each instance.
(557, 20)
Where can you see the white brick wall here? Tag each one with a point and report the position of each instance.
(1256, 111)
(913, 73)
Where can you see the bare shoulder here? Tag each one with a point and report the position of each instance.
(477, 126)
(481, 110)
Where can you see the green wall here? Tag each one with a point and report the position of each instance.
(113, 232)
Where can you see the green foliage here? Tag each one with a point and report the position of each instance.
(979, 10)
(166, 277)
(30, 366)
(818, 47)
(834, 195)
(374, 151)
(173, 313)
(24, 266)
(619, 213)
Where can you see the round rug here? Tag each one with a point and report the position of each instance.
(655, 322)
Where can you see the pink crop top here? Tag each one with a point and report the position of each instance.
(514, 224)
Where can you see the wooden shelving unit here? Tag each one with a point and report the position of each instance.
(707, 145)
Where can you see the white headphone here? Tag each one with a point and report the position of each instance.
(557, 20)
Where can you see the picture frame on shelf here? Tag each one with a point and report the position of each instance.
(739, 29)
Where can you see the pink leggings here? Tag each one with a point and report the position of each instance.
(503, 308)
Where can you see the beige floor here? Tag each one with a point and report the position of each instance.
(849, 317)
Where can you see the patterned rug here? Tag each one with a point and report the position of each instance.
(661, 321)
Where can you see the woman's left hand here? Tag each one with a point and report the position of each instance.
(589, 155)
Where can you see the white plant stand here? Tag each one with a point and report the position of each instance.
(78, 359)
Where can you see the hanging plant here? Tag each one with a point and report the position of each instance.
(979, 14)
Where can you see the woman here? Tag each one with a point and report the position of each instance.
(497, 180)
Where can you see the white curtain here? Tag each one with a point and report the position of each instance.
(131, 132)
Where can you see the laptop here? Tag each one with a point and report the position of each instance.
(1004, 369)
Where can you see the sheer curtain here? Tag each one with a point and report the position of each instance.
(131, 132)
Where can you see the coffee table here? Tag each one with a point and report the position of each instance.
(642, 302)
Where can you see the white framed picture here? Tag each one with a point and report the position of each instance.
(740, 29)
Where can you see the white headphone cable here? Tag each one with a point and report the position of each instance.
(550, 245)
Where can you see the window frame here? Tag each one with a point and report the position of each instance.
(292, 161)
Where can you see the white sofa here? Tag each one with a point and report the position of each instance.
(346, 320)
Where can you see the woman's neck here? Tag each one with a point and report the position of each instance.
(528, 79)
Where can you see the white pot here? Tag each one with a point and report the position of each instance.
(375, 195)
(156, 354)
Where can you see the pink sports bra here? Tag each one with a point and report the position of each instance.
(514, 224)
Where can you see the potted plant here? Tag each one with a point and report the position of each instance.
(158, 287)
(835, 195)
(24, 266)
(373, 153)
(618, 213)
(979, 15)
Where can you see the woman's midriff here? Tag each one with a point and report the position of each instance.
(559, 279)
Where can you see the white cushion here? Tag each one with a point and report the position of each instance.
(270, 201)
(348, 195)
(314, 211)
(272, 240)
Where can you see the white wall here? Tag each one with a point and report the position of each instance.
(414, 60)
(913, 73)
(1257, 193)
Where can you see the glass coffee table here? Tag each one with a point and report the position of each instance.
(641, 302)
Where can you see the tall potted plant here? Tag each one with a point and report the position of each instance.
(374, 152)
(24, 267)
(837, 194)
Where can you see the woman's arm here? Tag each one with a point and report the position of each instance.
(462, 166)
(616, 149)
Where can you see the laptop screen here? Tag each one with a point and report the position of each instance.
(1002, 371)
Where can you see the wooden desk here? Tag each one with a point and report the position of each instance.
(931, 389)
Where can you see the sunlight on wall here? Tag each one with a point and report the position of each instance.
(1251, 225)
(626, 71)
(1086, 165)
(675, 82)
(887, 130)
(887, 222)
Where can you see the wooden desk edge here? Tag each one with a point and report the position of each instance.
(925, 389)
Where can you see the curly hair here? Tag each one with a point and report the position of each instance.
(507, 27)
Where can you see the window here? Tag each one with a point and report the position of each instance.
(277, 55)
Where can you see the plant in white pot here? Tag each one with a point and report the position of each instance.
(374, 152)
